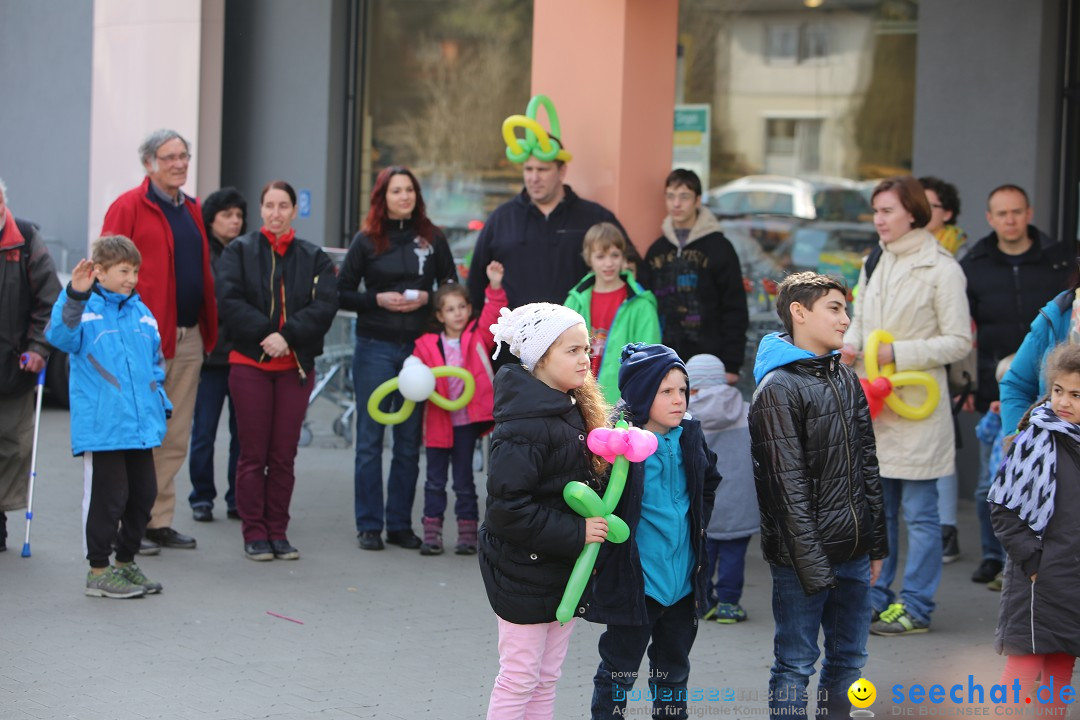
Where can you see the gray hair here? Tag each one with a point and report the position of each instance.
(154, 141)
(3, 191)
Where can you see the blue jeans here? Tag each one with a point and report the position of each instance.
(374, 362)
(209, 399)
(947, 496)
(991, 546)
(672, 630)
(922, 571)
(726, 561)
(460, 457)
(843, 613)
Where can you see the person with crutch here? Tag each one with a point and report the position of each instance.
(28, 289)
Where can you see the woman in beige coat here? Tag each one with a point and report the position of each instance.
(917, 293)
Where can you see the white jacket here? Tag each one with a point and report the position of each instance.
(917, 293)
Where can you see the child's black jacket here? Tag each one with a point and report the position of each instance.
(618, 591)
(530, 537)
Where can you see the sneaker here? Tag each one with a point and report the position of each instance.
(259, 550)
(167, 537)
(403, 538)
(135, 576)
(996, 583)
(987, 571)
(112, 584)
(202, 513)
(896, 620)
(875, 615)
(283, 550)
(729, 613)
(710, 613)
(950, 544)
(370, 540)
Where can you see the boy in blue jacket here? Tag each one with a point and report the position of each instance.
(819, 494)
(118, 409)
(650, 590)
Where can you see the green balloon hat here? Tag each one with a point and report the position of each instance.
(538, 142)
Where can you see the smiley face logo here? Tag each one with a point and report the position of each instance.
(862, 693)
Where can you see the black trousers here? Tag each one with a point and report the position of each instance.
(119, 488)
(671, 631)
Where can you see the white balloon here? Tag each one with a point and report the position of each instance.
(416, 381)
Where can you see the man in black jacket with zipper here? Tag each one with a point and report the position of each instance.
(1011, 273)
(537, 237)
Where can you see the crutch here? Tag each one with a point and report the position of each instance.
(33, 461)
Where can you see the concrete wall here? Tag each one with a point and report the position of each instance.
(45, 51)
(985, 106)
(284, 106)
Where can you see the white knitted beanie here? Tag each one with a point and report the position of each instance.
(531, 329)
(706, 371)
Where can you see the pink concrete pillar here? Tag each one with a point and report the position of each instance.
(609, 67)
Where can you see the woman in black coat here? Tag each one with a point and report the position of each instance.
(401, 259)
(277, 296)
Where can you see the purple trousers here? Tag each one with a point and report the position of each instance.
(270, 408)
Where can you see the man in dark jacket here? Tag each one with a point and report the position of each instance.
(822, 513)
(697, 279)
(1011, 273)
(28, 289)
(537, 237)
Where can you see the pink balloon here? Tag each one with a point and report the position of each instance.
(635, 444)
(642, 444)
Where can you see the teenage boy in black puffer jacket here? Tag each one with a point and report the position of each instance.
(822, 518)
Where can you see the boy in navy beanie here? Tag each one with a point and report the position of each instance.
(648, 589)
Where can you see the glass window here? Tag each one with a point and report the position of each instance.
(810, 106)
(441, 77)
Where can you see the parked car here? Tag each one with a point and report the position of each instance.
(831, 199)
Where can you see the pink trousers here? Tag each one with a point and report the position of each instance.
(1027, 667)
(530, 663)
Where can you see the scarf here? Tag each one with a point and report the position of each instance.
(1027, 479)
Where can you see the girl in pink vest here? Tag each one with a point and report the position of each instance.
(450, 437)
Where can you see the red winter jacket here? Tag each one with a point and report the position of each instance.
(136, 216)
(477, 344)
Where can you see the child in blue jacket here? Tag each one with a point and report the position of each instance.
(118, 409)
(650, 590)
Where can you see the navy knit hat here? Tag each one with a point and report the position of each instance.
(643, 368)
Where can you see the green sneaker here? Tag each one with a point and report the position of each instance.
(896, 620)
(729, 613)
(112, 584)
(996, 583)
(135, 576)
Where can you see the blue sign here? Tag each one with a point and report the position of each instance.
(303, 200)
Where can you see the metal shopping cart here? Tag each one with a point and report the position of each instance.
(333, 370)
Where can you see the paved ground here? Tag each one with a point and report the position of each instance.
(377, 635)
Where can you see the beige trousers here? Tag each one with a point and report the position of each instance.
(181, 385)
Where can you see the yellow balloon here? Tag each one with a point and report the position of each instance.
(402, 414)
(906, 378)
(466, 393)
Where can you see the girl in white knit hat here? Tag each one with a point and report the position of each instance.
(530, 538)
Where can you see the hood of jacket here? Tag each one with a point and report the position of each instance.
(776, 350)
(520, 395)
(706, 224)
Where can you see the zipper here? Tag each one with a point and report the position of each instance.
(847, 451)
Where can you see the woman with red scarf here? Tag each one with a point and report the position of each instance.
(277, 296)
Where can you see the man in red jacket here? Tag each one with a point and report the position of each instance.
(176, 283)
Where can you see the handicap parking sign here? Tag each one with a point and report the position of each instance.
(303, 201)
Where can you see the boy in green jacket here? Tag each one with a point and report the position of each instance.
(617, 310)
